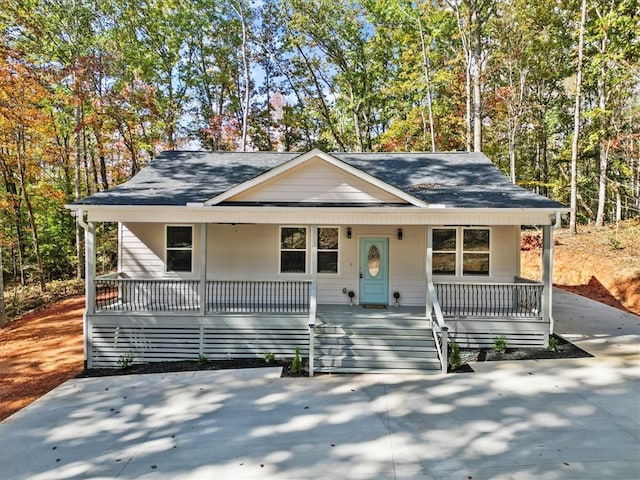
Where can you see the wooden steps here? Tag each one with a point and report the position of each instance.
(375, 345)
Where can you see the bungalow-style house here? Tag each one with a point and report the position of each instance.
(364, 261)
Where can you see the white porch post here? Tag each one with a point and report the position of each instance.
(90, 284)
(202, 286)
(547, 275)
(429, 272)
(313, 296)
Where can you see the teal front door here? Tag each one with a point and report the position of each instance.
(374, 270)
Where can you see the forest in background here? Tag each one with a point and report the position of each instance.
(92, 91)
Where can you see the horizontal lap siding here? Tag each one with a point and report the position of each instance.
(316, 181)
(142, 251)
(481, 333)
(154, 339)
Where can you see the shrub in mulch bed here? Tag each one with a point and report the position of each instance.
(564, 349)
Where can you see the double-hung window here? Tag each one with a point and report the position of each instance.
(461, 251)
(475, 251)
(294, 246)
(179, 253)
(293, 249)
(328, 238)
(444, 259)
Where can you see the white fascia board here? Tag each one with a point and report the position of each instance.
(280, 169)
(323, 215)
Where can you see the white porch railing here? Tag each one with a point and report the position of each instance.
(506, 300)
(114, 293)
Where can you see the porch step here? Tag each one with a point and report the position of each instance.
(359, 345)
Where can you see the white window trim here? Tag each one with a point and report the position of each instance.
(331, 250)
(167, 248)
(306, 250)
(459, 251)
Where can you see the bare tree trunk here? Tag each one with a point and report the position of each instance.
(515, 113)
(618, 202)
(21, 149)
(3, 320)
(247, 80)
(467, 57)
(77, 177)
(602, 183)
(476, 71)
(604, 147)
(427, 80)
(469, 111)
(573, 227)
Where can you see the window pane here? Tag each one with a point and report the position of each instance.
(294, 238)
(444, 239)
(475, 264)
(327, 262)
(178, 237)
(179, 260)
(444, 263)
(328, 238)
(476, 240)
(293, 262)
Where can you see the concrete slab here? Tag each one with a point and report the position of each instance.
(511, 420)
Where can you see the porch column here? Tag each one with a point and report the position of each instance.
(202, 286)
(90, 284)
(429, 271)
(313, 296)
(547, 274)
(90, 267)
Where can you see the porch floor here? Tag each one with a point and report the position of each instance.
(389, 312)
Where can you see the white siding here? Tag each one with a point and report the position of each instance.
(316, 181)
(251, 252)
(505, 253)
(243, 252)
(142, 247)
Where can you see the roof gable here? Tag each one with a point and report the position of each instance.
(315, 178)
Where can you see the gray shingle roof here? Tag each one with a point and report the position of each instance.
(459, 180)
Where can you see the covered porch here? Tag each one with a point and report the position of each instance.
(159, 319)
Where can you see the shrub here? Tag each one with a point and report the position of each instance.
(125, 360)
(500, 344)
(296, 363)
(454, 356)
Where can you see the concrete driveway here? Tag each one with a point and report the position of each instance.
(548, 419)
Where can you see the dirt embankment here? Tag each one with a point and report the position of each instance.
(602, 263)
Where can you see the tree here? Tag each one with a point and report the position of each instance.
(576, 121)
(472, 17)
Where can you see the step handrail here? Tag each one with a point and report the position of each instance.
(439, 326)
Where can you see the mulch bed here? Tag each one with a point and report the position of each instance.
(565, 349)
(192, 365)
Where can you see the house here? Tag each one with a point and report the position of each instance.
(365, 261)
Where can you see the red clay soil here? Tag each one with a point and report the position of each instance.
(602, 263)
(38, 352)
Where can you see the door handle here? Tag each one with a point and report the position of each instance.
(360, 274)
